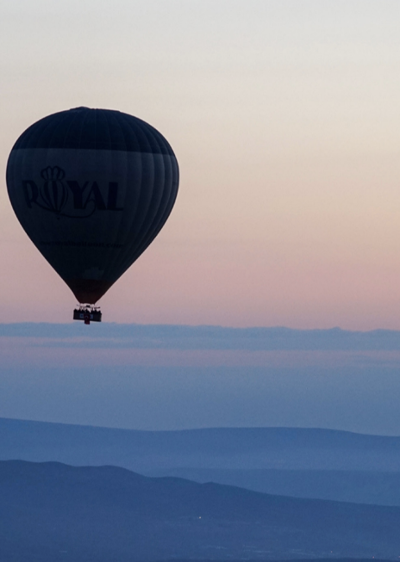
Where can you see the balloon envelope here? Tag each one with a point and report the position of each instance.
(92, 188)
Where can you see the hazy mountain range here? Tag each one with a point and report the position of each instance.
(221, 448)
(308, 463)
(165, 336)
(358, 486)
(245, 504)
(53, 512)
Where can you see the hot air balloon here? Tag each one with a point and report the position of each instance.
(92, 188)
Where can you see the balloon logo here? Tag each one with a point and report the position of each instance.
(54, 193)
(92, 188)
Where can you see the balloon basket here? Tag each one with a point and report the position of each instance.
(87, 314)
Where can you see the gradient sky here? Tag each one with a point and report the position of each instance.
(169, 377)
(285, 119)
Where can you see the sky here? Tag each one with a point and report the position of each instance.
(284, 117)
(180, 377)
(285, 120)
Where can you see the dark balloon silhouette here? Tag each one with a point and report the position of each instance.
(92, 188)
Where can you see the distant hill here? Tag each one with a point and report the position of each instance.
(304, 463)
(51, 512)
(244, 448)
(239, 448)
(294, 560)
(382, 488)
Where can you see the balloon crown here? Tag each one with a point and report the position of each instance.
(52, 174)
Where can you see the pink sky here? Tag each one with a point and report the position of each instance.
(284, 119)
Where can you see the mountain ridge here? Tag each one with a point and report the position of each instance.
(107, 513)
(241, 448)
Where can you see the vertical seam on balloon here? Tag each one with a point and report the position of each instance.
(85, 116)
(147, 239)
(150, 210)
(74, 117)
(120, 117)
(165, 214)
(157, 139)
(144, 133)
(142, 193)
(132, 125)
(171, 197)
(174, 186)
(111, 253)
(44, 223)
